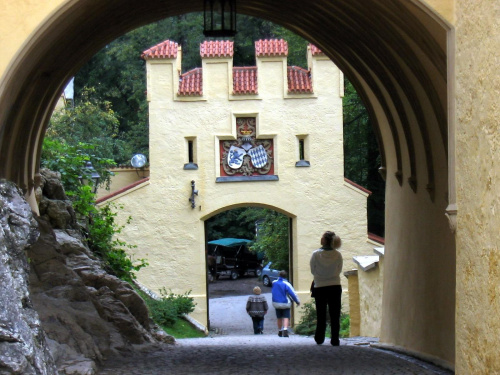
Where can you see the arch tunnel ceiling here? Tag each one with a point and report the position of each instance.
(392, 51)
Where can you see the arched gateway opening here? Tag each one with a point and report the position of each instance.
(245, 246)
(395, 53)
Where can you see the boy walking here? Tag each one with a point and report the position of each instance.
(282, 289)
(257, 308)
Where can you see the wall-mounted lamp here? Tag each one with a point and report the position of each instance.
(92, 173)
(138, 161)
(219, 18)
(193, 193)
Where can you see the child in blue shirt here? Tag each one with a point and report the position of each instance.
(282, 290)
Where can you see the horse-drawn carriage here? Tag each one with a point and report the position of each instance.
(231, 257)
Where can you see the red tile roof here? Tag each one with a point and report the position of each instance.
(357, 186)
(163, 50)
(376, 238)
(272, 47)
(217, 48)
(299, 80)
(191, 83)
(245, 80)
(315, 50)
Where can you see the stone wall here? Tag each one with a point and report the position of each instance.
(62, 309)
(478, 186)
(23, 343)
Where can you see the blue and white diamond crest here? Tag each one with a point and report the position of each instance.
(258, 155)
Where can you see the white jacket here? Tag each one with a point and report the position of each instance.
(326, 266)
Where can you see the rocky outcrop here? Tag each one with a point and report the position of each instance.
(53, 204)
(84, 314)
(23, 345)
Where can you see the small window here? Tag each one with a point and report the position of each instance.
(191, 154)
(301, 149)
(303, 152)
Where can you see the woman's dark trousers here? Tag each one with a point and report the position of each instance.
(328, 296)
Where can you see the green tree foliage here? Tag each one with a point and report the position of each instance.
(101, 229)
(69, 160)
(235, 223)
(91, 121)
(362, 156)
(273, 239)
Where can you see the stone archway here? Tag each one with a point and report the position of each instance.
(395, 53)
(226, 296)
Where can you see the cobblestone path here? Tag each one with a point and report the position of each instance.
(267, 354)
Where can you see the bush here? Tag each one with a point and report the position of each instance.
(170, 307)
(345, 325)
(99, 225)
(70, 161)
(307, 324)
(104, 243)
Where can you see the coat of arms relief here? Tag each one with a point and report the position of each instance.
(247, 155)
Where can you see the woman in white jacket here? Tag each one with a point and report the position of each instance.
(326, 266)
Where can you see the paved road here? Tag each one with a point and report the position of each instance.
(265, 354)
(228, 316)
(234, 349)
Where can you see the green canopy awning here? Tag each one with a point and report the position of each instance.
(229, 242)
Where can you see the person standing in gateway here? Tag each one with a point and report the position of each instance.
(281, 292)
(257, 309)
(326, 266)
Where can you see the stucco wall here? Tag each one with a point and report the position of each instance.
(122, 177)
(354, 307)
(418, 300)
(317, 197)
(365, 293)
(26, 16)
(370, 297)
(478, 186)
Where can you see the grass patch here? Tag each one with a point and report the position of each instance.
(167, 312)
(182, 329)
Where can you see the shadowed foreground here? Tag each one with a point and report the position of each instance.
(266, 354)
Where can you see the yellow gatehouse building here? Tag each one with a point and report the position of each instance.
(269, 135)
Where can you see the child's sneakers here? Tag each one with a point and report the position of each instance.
(285, 333)
(280, 333)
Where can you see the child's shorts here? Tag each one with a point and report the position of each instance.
(282, 313)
